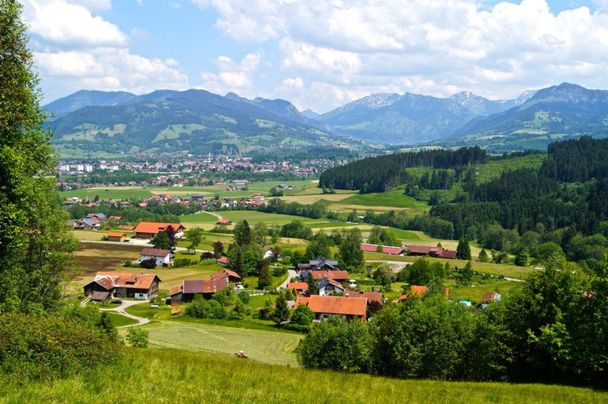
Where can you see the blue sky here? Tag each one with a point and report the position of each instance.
(318, 54)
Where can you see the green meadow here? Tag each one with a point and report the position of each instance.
(167, 375)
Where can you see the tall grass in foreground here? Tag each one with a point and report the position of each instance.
(153, 375)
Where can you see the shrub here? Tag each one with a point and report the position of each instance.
(201, 308)
(49, 347)
(302, 315)
(184, 262)
(137, 337)
(148, 264)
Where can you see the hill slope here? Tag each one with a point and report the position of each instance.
(152, 375)
(195, 121)
(87, 98)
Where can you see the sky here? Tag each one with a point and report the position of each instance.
(318, 54)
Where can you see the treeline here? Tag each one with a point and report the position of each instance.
(549, 330)
(577, 160)
(433, 226)
(154, 212)
(314, 211)
(379, 174)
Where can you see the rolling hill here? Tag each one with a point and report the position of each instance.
(193, 121)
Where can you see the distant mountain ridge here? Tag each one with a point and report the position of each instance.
(192, 121)
(198, 121)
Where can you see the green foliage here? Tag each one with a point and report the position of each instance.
(296, 229)
(35, 245)
(107, 327)
(218, 249)
(53, 346)
(483, 256)
(302, 315)
(463, 250)
(162, 241)
(312, 285)
(422, 272)
(350, 254)
(337, 345)
(383, 275)
(319, 246)
(521, 259)
(379, 235)
(242, 234)
(265, 279)
(201, 308)
(194, 237)
(137, 337)
(280, 313)
(466, 273)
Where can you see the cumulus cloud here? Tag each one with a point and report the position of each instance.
(231, 75)
(76, 49)
(438, 46)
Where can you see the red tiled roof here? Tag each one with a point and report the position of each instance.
(224, 273)
(297, 285)
(449, 254)
(419, 249)
(175, 290)
(154, 252)
(335, 275)
(349, 306)
(223, 221)
(387, 249)
(125, 279)
(153, 227)
(372, 297)
(369, 247)
(205, 286)
(223, 260)
(418, 291)
(116, 234)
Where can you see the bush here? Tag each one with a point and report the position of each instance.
(201, 308)
(137, 337)
(49, 347)
(148, 264)
(279, 271)
(184, 262)
(302, 315)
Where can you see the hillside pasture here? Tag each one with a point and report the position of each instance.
(262, 346)
(168, 375)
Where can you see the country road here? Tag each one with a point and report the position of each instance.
(121, 310)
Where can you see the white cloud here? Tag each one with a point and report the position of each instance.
(440, 46)
(110, 69)
(65, 23)
(231, 75)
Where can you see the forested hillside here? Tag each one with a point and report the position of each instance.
(379, 174)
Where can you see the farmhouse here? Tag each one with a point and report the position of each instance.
(373, 298)
(151, 229)
(438, 252)
(107, 285)
(326, 307)
(205, 288)
(384, 249)
(223, 261)
(339, 276)
(298, 287)
(117, 236)
(328, 287)
(161, 257)
(320, 264)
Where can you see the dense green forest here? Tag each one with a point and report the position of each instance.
(379, 174)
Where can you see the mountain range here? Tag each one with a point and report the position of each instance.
(198, 121)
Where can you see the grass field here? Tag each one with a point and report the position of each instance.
(494, 168)
(120, 321)
(109, 193)
(163, 376)
(263, 346)
(394, 199)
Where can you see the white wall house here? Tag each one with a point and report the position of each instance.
(161, 257)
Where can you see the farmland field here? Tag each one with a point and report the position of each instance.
(263, 346)
(166, 375)
(109, 193)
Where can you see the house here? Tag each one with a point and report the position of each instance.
(114, 219)
(108, 285)
(373, 298)
(327, 287)
(116, 236)
(223, 222)
(223, 261)
(326, 307)
(320, 264)
(230, 276)
(149, 230)
(97, 216)
(384, 249)
(339, 276)
(161, 257)
(437, 252)
(490, 297)
(298, 287)
(88, 224)
(205, 288)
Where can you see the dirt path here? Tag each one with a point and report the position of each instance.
(121, 310)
